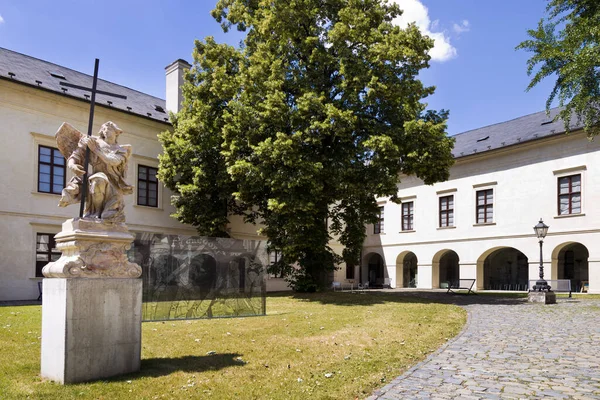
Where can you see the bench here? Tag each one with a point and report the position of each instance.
(336, 285)
(556, 285)
(461, 284)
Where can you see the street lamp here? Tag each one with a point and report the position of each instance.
(541, 230)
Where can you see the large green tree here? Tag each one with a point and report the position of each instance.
(316, 114)
(566, 45)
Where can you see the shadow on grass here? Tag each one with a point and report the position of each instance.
(156, 367)
(372, 297)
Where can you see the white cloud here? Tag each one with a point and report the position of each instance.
(464, 26)
(415, 11)
(1, 19)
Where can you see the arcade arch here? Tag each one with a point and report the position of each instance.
(445, 268)
(502, 268)
(570, 261)
(406, 270)
(375, 273)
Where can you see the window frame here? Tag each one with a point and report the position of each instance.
(49, 253)
(147, 183)
(569, 194)
(378, 227)
(485, 206)
(274, 257)
(448, 211)
(350, 273)
(52, 164)
(407, 220)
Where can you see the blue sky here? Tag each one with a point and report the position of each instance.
(479, 76)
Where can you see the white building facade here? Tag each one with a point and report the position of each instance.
(479, 224)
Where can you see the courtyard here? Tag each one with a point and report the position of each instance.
(512, 349)
(389, 344)
(323, 345)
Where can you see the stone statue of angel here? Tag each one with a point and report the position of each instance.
(106, 184)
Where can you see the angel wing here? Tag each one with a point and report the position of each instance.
(67, 139)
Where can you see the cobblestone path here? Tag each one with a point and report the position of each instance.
(512, 351)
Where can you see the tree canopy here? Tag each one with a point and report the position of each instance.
(316, 114)
(566, 44)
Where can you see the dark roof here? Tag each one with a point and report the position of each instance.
(519, 130)
(47, 76)
(28, 70)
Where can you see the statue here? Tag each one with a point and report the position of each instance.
(106, 187)
(95, 245)
(92, 309)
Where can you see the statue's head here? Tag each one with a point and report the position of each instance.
(109, 128)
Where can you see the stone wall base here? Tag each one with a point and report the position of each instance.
(91, 328)
(542, 297)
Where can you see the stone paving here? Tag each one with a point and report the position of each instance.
(512, 350)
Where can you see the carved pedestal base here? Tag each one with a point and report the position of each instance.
(93, 249)
(91, 328)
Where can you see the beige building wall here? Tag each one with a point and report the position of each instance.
(524, 183)
(30, 117)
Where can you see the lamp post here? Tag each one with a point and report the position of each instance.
(541, 230)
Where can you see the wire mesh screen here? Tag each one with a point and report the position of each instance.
(188, 277)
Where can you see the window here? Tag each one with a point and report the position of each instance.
(45, 252)
(275, 257)
(485, 206)
(378, 227)
(446, 211)
(51, 170)
(349, 271)
(407, 216)
(569, 195)
(147, 186)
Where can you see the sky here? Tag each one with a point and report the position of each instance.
(479, 76)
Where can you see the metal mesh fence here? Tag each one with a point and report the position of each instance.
(188, 277)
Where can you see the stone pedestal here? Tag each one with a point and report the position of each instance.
(92, 304)
(542, 297)
(93, 248)
(91, 328)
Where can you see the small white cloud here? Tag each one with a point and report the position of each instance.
(1, 19)
(415, 11)
(463, 27)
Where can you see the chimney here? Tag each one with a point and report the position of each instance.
(175, 73)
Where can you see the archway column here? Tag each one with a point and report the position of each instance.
(391, 274)
(594, 274)
(425, 276)
(552, 272)
(435, 275)
(479, 275)
(468, 270)
(363, 274)
(399, 275)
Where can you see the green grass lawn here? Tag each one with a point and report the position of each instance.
(323, 346)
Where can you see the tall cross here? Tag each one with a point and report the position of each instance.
(93, 89)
